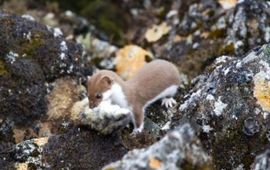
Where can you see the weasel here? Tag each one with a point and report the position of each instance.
(156, 80)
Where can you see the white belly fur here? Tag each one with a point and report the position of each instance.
(170, 91)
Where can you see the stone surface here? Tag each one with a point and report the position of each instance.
(88, 150)
(261, 161)
(224, 109)
(179, 149)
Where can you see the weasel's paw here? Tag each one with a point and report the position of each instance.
(137, 131)
(168, 102)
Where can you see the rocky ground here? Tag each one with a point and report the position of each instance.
(221, 48)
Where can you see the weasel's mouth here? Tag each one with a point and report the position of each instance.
(92, 106)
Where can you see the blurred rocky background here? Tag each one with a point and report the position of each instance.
(221, 48)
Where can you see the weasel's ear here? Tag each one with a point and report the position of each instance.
(107, 80)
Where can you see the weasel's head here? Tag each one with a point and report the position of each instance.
(99, 88)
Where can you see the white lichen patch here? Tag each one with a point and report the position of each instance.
(222, 59)
(238, 44)
(70, 69)
(238, 64)
(63, 46)
(210, 97)
(207, 128)
(28, 17)
(267, 34)
(62, 56)
(219, 107)
(27, 35)
(266, 68)
(12, 56)
(57, 32)
(166, 126)
(221, 23)
(63, 49)
(226, 70)
(265, 115)
(191, 99)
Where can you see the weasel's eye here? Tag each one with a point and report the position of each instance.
(98, 96)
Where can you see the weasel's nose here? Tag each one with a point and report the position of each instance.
(91, 105)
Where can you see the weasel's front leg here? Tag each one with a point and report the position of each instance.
(138, 120)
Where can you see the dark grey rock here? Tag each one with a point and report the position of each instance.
(229, 108)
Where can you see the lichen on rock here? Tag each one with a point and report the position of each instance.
(28, 61)
(106, 118)
(228, 108)
(179, 149)
(262, 88)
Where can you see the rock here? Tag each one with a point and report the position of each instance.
(31, 56)
(179, 149)
(203, 30)
(29, 153)
(261, 161)
(102, 53)
(129, 60)
(89, 150)
(106, 118)
(227, 109)
(25, 155)
(53, 152)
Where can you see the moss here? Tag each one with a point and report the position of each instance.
(227, 50)
(3, 69)
(190, 166)
(29, 47)
(218, 33)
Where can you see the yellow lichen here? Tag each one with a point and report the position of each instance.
(227, 50)
(65, 93)
(154, 163)
(262, 90)
(157, 31)
(21, 166)
(227, 4)
(41, 141)
(129, 60)
(29, 47)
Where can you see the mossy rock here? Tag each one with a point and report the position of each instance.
(32, 55)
